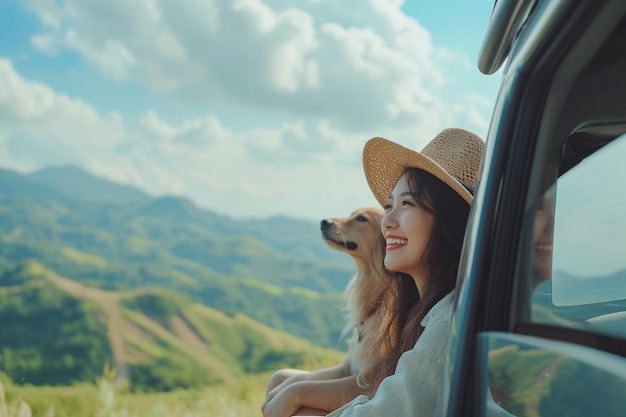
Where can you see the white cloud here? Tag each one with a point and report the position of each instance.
(48, 12)
(44, 43)
(40, 121)
(302, 58)
(217, 167)
(111, 56)
(327, 74)
(194, 132)
(246, 173)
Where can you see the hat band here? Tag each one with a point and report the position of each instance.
(468, 188)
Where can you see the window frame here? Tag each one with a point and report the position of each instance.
(545, 102)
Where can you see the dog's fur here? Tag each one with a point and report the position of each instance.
(356, 235)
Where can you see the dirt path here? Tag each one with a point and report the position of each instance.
(115, 321)
(188, 335)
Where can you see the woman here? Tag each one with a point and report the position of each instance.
(426, 197)
(543, 235)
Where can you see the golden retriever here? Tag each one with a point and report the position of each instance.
(356, 236)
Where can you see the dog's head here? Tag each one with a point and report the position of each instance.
(354, 235)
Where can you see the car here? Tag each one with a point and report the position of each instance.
(523, 343)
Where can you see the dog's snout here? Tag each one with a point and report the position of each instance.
(325, 224)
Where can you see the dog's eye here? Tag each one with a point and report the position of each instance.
(361, 219)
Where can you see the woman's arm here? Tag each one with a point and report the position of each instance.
(325, 395)
(338, 371)
(285, 377)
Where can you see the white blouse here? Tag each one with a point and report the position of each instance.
(414, 389)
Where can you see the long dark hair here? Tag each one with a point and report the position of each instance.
(405, 306)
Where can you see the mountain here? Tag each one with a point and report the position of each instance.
(175, 207)
(72, 185)
(78, 183)
(278, 270)
(14, 184)
(57, 331)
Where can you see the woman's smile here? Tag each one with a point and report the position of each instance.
(395, 242)
(543, 248)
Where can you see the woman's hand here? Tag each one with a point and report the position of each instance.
(282, 402)
(283, 385)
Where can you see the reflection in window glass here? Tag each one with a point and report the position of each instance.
(590, 230)
(587, 289)
(543, 236)
(534, 377)
(541, 257)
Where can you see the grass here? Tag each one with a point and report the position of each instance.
(305, 292)
(269, 288)
(82, 257)
(102, 400)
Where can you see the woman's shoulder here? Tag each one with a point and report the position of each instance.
(430, 346)
(441, 311)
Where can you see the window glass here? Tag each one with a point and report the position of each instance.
(528, 376)
(587, 260)
(590, 233)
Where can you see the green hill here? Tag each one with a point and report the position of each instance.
(278, 270)
(48, 337)
(58, 331)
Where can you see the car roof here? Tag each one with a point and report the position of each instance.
(506, 20)
(574, 51)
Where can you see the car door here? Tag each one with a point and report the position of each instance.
(540, 320)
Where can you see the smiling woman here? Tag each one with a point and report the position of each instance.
(426, 197)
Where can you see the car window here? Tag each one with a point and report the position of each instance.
(539, 377)
(579, 265)
(573, 270)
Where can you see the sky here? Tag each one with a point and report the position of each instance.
(250, 108)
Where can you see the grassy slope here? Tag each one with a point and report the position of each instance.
(150, 328)
(305, 313)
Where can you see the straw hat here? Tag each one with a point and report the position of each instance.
(453, 156)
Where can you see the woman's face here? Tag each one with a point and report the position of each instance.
(543, 237)
(406, 227)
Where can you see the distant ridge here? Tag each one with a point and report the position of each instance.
(287, 234)
(179, 207)
(12, 183)
(80, 184)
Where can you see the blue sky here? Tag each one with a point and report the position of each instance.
(251, 108)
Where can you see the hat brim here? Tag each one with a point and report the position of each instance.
(384, 162)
